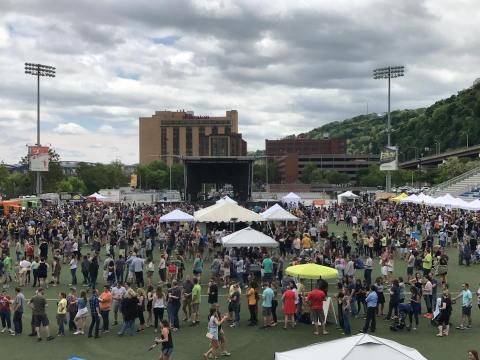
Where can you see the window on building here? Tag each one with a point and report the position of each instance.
(219, 146)
(163, 141)
(214, 130)
(188, 142)
(176, 141)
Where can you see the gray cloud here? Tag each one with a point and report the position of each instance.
(285, 66)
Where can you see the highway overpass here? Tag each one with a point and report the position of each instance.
(472, 152)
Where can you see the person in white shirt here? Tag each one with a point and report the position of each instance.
(25, 266)
(118, 292)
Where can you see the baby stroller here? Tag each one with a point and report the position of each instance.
(399, 323)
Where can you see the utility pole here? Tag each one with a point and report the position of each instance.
(388, 73)
(39, 70)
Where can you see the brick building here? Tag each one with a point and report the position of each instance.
(293, 154)
(168, 135)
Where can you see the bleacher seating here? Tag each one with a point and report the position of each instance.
(474, 193)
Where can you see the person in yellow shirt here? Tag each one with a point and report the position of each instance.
(306, 241)
(62, 313)
(105, 303)
(252, 304)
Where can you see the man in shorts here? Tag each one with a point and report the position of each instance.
(467, 297)
(267, 296)
(196, 299)
(38, 304)
(315, 298)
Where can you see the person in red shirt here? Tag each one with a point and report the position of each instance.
(315, 299)
(29, 251)
(5, 313)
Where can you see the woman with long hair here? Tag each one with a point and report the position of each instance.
(149, 305)
(141, 308)
(445, 312)
(166, 340)
(214, 321)
(158, 305)
(472, 355)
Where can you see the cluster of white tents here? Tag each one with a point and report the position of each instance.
(446, 201)
(227, 210)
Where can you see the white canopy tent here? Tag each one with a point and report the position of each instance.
(226, 212)
(410, 199)
(97, 197)
(226, 198)
(271, 209)
(277, 213)
(291, 199)
(177, 216)
(474, 205)
(347, 195)
(356, 347)
(458, 203)
(248, 237)
(423, 199)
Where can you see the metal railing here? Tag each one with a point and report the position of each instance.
(454, 180)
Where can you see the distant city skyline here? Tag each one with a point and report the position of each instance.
(287, 67)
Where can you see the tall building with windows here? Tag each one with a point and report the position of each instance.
(169, 135)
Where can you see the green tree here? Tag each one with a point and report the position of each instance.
(372, 176)
(156, 175)
(453, 167)
(72, 184)
(259, 172)
(308, 170)
(102, 176)
(177, 176)
(50, 178)
(335, 177)
(16, 184)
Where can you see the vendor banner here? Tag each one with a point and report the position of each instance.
(38, 158)
(389, 158)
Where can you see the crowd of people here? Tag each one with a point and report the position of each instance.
(133, 265)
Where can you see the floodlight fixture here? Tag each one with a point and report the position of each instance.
(39, 70)
(389, 73)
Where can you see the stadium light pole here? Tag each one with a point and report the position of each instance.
(389, 73)
(39, 70)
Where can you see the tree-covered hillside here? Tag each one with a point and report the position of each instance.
(448, 121)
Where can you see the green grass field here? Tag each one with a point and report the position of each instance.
(243, 342)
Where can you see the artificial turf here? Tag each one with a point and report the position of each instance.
(244, 342)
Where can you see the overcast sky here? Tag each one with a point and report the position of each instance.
(286, 66)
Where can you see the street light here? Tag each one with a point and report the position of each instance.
(388, 73)
(39, 70)
(266, 168)
(437, 146)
